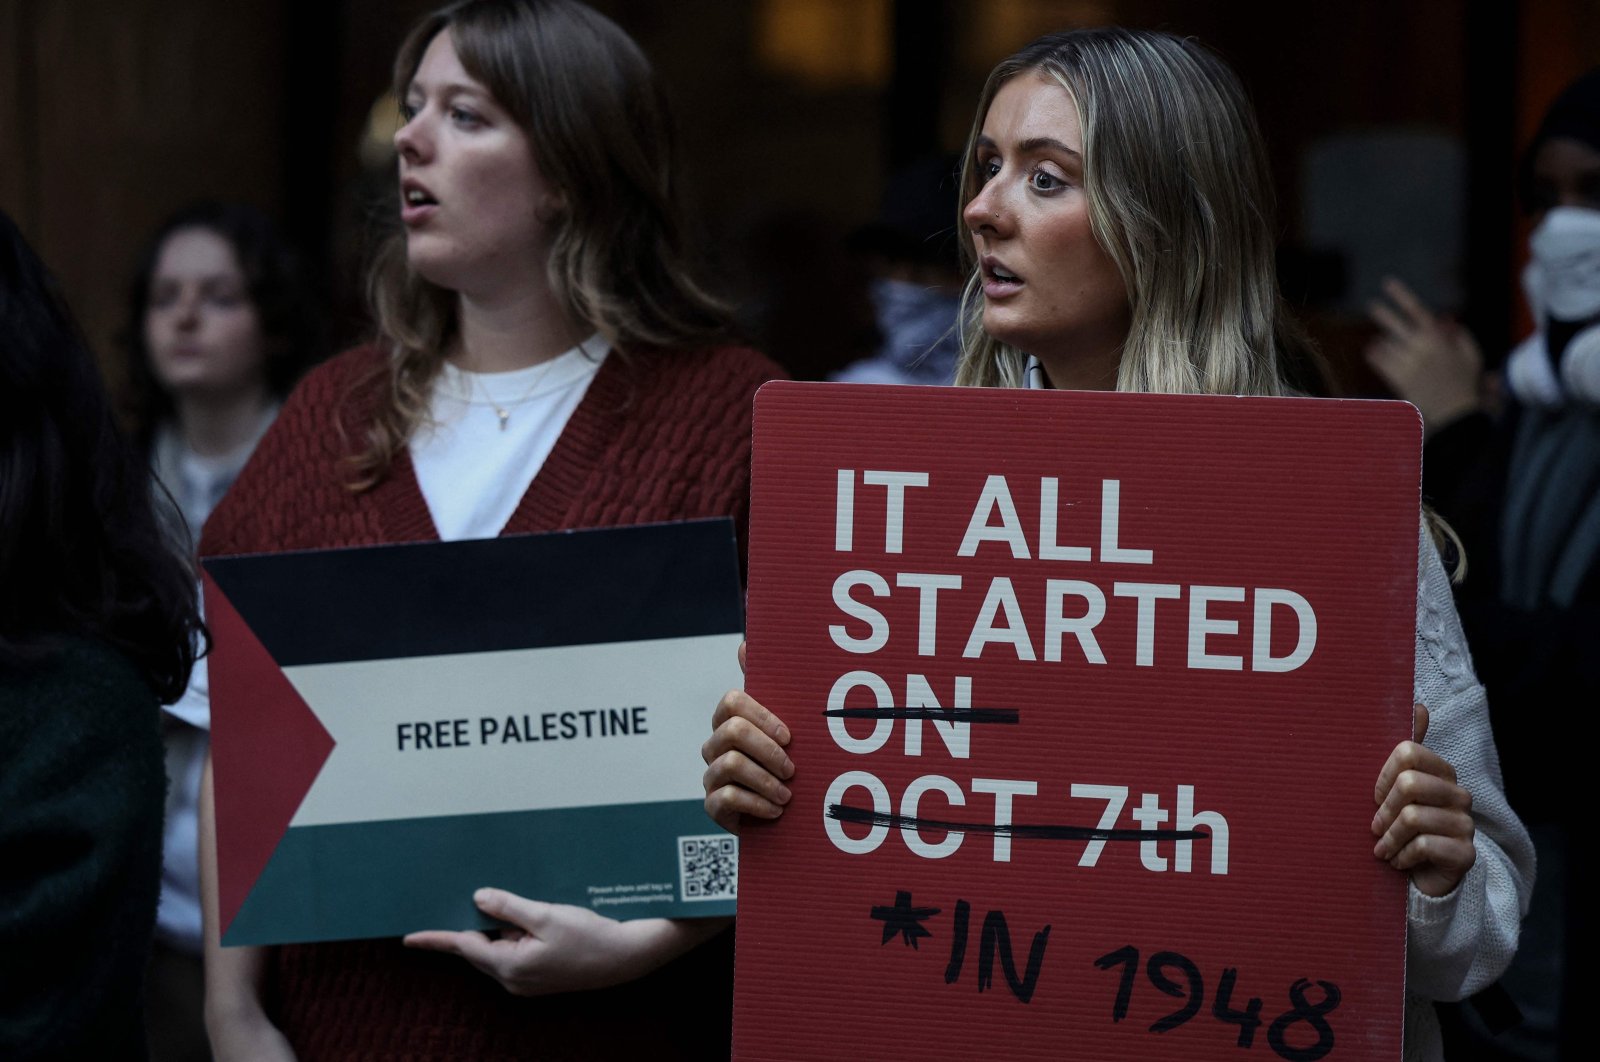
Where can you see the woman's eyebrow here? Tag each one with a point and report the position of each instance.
(1047, 143)
(1032, 144)
(446, 88)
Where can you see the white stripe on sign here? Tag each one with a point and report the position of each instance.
(520, 730)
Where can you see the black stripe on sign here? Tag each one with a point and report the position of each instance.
(517, 592)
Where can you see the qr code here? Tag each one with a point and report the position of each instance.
(708, 867)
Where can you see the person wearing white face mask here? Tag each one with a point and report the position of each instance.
(1561, 361)
(1523, 491)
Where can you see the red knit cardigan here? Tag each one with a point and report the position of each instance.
(658, 436)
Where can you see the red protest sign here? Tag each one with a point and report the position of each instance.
(1089, 693)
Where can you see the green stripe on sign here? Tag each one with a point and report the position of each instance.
(383, 879)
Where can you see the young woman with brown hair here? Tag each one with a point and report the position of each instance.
(545, 361)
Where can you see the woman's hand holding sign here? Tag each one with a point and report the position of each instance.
(1424, 819)
(557, 947)
(746, 764)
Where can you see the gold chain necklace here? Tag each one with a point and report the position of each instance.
(503, 412)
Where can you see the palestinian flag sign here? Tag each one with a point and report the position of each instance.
(394, 727)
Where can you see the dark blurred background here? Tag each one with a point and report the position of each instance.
(1394, 129)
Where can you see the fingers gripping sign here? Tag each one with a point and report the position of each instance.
(746, 765)
(1424, 819)
(545, 947)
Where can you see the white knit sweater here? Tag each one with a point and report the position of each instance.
(1460, 943)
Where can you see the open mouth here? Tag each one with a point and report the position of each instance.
(998, 277)
(416, 197)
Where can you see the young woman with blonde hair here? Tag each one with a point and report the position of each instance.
(1192, 241)
(545, 360)
(1117, 219)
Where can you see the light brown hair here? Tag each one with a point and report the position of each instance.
(589, 101)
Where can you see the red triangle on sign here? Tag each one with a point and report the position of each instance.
(267, 748)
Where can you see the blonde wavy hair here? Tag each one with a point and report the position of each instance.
(1180, 199)
(597, 117)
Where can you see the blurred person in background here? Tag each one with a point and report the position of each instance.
(914, 258)
(1521, 484)
(220, 325)
(98, 627)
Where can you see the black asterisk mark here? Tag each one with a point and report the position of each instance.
(904, 919)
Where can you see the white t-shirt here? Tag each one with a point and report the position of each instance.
(491, 432)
